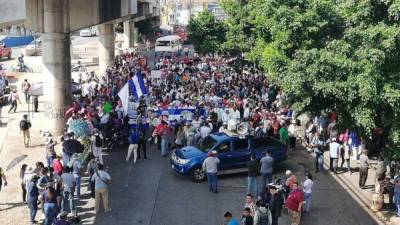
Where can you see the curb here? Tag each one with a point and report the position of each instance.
(360, 199)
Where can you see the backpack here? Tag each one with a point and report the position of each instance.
(24, 125)
(263, 218)
(98, 141)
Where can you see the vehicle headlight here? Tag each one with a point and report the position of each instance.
(182, 161)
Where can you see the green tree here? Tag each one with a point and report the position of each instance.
(206, 33)
(328, 56)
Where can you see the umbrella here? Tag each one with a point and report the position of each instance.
(72, 146)
(80, 128)
(15, 162)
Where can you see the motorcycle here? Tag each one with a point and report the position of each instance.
(22, 68)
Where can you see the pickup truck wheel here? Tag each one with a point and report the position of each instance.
(198, 175)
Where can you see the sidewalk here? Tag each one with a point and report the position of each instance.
(12, 210)
(362, 196)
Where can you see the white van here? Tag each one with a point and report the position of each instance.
(171, 43)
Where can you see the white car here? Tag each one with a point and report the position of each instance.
(88, 32)
(34, 48)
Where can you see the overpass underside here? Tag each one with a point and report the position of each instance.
(55, 20)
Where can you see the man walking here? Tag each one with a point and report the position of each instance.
(142, 140)
(294, 204)
(24, 126)
(316, 145)
(266, 168)
(25, 88)
(68, 183)
(32, 198)
(364, 165)
(102, 179)
(133, 146)
(252, 168)
(334, 151)
(210, 166)
(13, 99)
(76, 171)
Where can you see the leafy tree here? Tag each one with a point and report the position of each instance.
(328, 56)
(206, 33)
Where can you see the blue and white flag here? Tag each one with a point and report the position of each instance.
(136, 85)
(124, 96)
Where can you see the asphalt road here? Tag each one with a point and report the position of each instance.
(151, 193)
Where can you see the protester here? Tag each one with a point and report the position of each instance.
(307, 190)
(23, 184)
(262, 214)
(267, 168)
(102, 180)
(32, 198)
(14, 98)
(364, 165)
(2, 177)
(68, 184)
(133, 146)
(49, 204)
(24, 126)
(317, 147)
(76, 171)
(249, 203)
(275, 204)
(247, 219)
(252, 174)
(210, 166)
(25, 86)
(294, 204)
(291, 179)
(229, 220)
(334, 151)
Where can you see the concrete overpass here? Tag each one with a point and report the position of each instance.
(55, 20)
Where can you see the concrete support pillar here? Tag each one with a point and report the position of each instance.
(129, 27)
(107, 46)
(57, 65)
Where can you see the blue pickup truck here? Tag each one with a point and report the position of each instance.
(233, 152)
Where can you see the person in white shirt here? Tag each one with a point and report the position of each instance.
(236, 114)
(246, 113)
(334, 151)
(292, 135)
(225, 116)
(307, 189)
(205, 130)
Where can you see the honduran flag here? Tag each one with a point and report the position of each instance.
(134, 87)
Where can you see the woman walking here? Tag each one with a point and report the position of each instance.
(23, 184)
(307, 189)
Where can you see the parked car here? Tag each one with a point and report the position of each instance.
(88, 32)
(233, 152)
(34, 48)
(4, 51)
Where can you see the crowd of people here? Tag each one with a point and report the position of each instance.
(211, 92)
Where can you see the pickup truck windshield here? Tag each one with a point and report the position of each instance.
(206, 144)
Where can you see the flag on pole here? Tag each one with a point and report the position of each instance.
(124, 96)
(136, 85)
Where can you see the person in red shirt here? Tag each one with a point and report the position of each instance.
(294, 203)
(57, 166)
